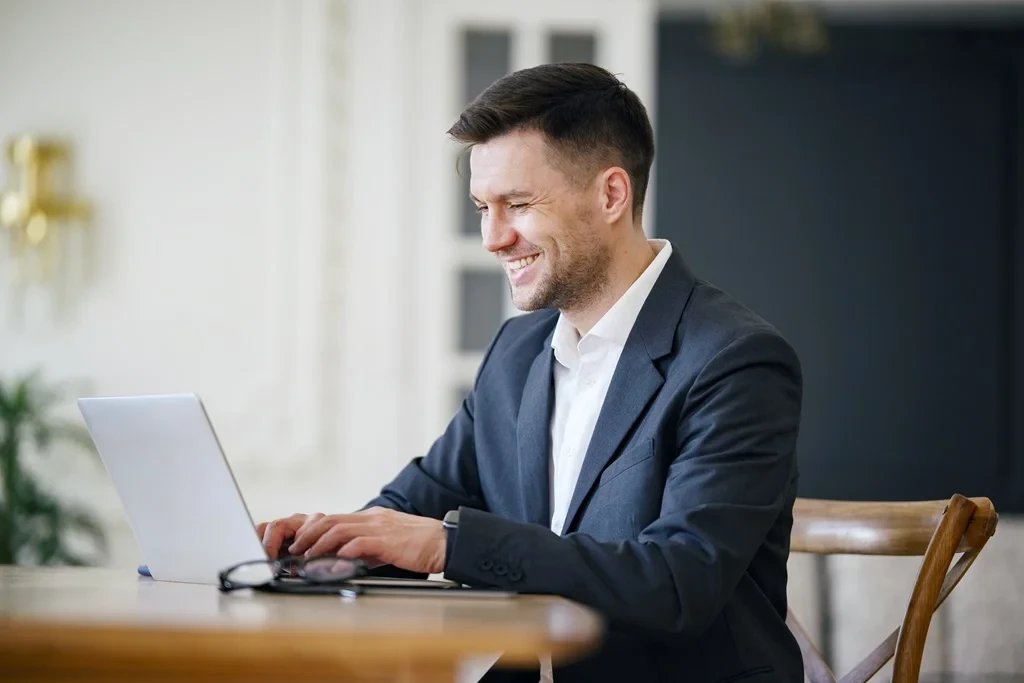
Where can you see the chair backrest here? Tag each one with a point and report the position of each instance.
(936, 530)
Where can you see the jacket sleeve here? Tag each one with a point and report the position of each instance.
(727, 486)
(447, 477)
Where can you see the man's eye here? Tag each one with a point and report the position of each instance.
(517, 207)
(481, 209)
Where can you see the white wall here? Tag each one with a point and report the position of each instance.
(228, 250)
(264, 177)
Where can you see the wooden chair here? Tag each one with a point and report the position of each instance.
(936, 530)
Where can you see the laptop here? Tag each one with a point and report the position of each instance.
(186, 512)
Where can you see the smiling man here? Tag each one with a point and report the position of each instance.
(630, 444)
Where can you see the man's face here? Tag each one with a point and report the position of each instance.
(539, 223)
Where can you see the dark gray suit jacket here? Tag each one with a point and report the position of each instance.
(678, 530)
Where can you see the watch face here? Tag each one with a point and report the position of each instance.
(451, 519)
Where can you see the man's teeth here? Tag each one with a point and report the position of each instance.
(521, 263)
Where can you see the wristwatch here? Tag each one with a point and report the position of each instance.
(450, 523)
(451, 520)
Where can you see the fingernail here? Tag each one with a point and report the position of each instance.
(291, 549)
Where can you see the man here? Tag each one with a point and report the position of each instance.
(629, 444)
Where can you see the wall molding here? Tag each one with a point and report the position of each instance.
(289, 422)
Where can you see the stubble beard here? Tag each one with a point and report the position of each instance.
(575, 283)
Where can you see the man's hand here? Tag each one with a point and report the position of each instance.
(280, 533)
(377, 535)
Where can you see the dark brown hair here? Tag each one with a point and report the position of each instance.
(587, 114)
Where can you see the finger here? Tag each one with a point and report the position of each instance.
(333, 539)
(366, 548)
(270, 532)
(274, 537)
(261, 528)
(277, 532)
(310, 519)
(336, 538)
(310, 533)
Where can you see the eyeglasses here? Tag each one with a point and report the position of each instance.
(290, 574)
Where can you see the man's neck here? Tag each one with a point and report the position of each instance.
(628, 264)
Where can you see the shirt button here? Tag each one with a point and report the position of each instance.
(500, 569)
(588, 382)
(485, 564)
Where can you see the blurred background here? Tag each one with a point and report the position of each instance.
(254, 200)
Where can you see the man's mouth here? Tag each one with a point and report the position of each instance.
(519, 264)
(520, 271)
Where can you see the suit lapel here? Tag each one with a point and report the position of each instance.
(533, 435)
(634, 383)
(636, 379)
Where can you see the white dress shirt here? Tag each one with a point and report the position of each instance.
(582, 375)
(583, 372)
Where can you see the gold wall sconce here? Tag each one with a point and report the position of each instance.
(31, 210)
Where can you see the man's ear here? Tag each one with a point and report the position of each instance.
(615, 194)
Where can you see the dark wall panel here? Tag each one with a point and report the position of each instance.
(859, 201)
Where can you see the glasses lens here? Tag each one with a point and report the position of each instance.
(252, 574)
(330, 569)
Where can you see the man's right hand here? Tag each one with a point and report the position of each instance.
(279, 534)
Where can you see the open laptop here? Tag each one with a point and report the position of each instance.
(181, 498)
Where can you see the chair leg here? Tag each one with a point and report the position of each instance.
(816, 670)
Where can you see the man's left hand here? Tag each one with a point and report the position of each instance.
(378, 536)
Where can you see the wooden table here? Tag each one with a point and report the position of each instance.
(99, 624)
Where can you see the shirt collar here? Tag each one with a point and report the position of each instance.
(615, 325)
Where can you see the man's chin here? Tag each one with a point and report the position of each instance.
(527, 301)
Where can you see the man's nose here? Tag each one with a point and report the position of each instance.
(497, 233)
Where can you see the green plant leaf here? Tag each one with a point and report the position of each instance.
(48, 543)
(85, 523)
(35, 500)
(71, 432)
(47, 520)
(22, 389)
(8, 408)
(39, 397)
(42, 435)
(34, 523)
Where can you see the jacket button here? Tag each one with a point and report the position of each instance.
(500, 569)
(485, 564)
(515, 575)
